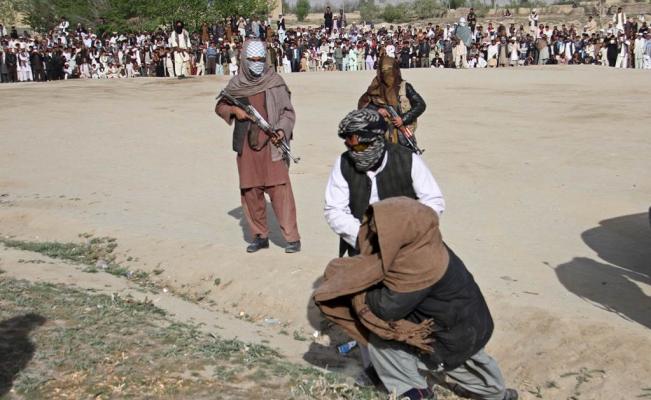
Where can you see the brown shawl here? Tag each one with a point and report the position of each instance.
(379, 93)
(409, 255)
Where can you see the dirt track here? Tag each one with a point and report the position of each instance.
(546, 173)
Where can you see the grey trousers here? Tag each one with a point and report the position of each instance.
(401, 370)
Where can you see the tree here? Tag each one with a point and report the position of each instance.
(8, 12)
(393, 13)
(454, 4)
(129, 15)
(302, 9)
(368, 10)
(426, 8)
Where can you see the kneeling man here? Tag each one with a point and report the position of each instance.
(411, 299)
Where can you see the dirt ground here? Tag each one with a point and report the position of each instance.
(546, 174)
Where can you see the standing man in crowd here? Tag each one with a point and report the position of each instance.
(533, 21)
(261, 166)
(37, 62)
(472, 19)
(181, 46)
(389, 89)
(281, 22)
(423, 52)
(369, 171)
(63, 26)
(619, 20)
(11, 61)
(4, 71)
(211, 59)
(640, 45)
(328, 20)
(591, 26)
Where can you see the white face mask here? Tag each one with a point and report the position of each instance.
(256, 67)
(256, 49)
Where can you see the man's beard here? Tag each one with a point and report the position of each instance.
(179, 29)
(365, 160)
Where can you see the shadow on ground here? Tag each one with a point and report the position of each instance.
(16, 349)
(624, 243)
(275, 235)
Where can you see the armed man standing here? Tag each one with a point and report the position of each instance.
(262, 167)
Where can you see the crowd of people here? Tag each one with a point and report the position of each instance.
(213, 49)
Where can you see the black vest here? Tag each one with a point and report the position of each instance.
(462, 321)
(394, 181)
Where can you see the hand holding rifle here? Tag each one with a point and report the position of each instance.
(404, 130)
(244, 112)
(240, 114)
(397, 121)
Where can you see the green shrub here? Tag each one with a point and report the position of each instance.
(368, 11)
(394, 13)
(426, 8)
(302, 9)
(454, 4)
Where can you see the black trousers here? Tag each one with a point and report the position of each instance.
(211, 65)
(39, 75)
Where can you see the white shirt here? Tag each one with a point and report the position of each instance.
(492, 51)
(182, 41)
(640, 44)
(533, 20)
(391, 51)
(337, 196)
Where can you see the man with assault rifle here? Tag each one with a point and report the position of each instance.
(397, 101)
(263, 167)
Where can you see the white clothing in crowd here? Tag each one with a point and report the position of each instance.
(182, 57)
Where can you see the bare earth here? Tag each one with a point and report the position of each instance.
(546, 173)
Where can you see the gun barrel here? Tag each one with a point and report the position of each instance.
(406, 132)
(259, 121)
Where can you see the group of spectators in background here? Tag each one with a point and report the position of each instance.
(213, 49)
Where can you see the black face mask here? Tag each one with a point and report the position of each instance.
(179, 29)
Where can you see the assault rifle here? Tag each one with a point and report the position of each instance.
(406, 132)
(260, 122)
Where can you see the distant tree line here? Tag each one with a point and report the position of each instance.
(130, 15)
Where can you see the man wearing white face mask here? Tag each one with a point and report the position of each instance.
(261, 166)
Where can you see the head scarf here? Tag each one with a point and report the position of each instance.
(365, 123)
(369, 126)
(255, 49)
(246, 84)
(385, 86)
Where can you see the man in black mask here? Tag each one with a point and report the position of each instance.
(369, 171)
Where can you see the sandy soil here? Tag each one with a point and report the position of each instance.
(546, 173)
